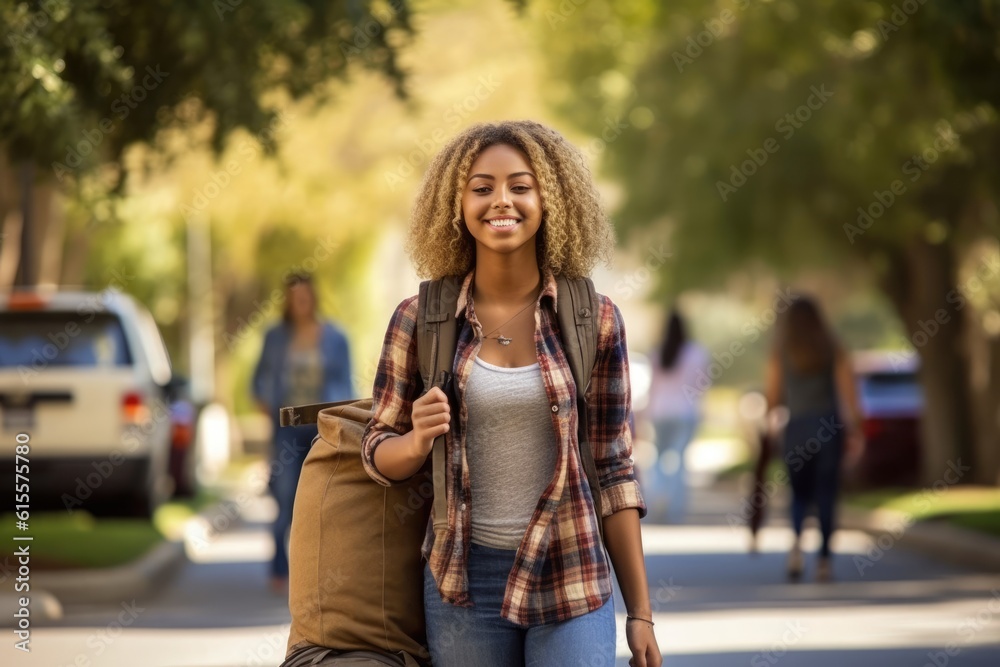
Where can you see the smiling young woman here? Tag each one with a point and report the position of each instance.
(520, 575)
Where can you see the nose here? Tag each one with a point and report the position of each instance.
(502, 198)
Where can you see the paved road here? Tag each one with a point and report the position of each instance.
(715, 606)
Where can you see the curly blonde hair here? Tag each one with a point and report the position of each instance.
(575, 231)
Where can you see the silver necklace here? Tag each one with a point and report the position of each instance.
(500, 338)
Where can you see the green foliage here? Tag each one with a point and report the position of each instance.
(81, 81)
(714, 83)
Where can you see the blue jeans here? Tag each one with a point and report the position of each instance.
(463, 636)
(813, 449)
(291, 444)
(670, 474)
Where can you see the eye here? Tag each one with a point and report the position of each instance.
(520, 189)
(481, 190)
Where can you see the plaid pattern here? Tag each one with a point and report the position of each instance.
(561, 569)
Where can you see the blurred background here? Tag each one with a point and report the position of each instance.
(165, 167)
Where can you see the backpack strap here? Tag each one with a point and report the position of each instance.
(577, 310)
(437, 339)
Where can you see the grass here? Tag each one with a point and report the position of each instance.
(973, 507)
(68, 540)
(64, 540)
(170, 518)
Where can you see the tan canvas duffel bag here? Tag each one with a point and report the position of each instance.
(355, 546)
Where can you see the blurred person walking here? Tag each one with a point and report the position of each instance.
(674, 408)
(810, 374)
(519, 574)
(305, 360)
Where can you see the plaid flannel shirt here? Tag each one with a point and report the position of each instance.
(561, 569)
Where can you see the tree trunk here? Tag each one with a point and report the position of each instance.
(27, 266)
(922, 287)
(10, 223)
(31, 246)
(985, 376)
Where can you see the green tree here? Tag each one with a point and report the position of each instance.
(83, 80)
(66, 67)
(853, 136)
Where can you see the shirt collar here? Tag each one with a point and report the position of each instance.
(549, 289)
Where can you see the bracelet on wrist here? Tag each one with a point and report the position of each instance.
(629, 617)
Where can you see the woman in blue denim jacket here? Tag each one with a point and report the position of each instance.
(304, 360)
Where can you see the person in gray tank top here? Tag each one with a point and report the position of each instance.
(810, 374)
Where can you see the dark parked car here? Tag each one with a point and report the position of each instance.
(183, 458)
(892, 402)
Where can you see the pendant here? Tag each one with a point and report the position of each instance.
(503, 340)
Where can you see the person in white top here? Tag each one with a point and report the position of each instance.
(675, 414)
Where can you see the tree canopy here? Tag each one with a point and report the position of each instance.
(850, 136)
(82, 80)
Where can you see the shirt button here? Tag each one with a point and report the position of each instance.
(462, 507)
(555, 408)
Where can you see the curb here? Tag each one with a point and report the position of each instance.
(43, 606)
(942, 541)
(112, 584)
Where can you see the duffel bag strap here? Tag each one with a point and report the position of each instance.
(299, 415)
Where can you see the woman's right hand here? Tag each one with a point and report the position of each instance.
(431, 417)
(855, 448)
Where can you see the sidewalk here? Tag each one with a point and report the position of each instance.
(934, 538)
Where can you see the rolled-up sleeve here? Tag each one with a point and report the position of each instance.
(609, 402)
(394, 387)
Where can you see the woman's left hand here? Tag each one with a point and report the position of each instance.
(642, 643)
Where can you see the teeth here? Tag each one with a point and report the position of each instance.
(503, 223)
